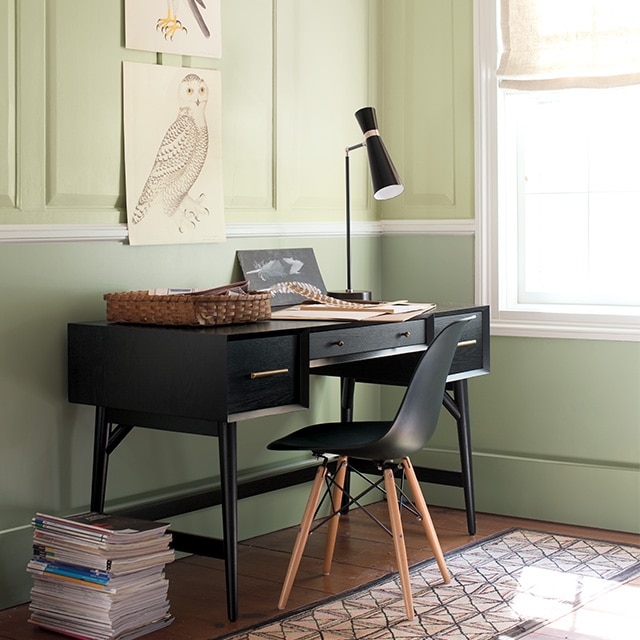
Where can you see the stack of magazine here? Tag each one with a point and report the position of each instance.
(99, 576)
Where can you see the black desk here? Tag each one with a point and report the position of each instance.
(205, 380)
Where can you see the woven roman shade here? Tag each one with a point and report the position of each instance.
(562, 44)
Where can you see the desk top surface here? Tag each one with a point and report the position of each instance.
(212, 373)
(288, 326)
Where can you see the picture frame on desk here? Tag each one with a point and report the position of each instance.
(266, 268)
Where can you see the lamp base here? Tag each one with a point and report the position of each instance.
(350, 294)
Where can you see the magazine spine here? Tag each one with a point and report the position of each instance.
(89, 575)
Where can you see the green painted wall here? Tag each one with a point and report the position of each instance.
(46, 443)
(557, 441)
(286, 90)
(556, 426)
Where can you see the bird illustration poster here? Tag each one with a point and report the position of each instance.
(173, 160)
(185, 27)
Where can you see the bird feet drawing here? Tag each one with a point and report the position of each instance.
(191, 212)
(170, 25)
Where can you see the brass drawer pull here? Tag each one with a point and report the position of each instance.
(340, 343)
(407, 334)
(467, 343)
(266, 374)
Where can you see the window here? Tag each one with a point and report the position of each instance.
(558, 184)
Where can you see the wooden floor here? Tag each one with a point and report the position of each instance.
(363, 553)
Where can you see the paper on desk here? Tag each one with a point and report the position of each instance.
(377, 313)
(407, 315)
(364, 308)
(296, 313)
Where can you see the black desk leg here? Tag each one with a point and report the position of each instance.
(347, 393)
(347, 390)
(100, 460)
(461, 398)
(227, 443)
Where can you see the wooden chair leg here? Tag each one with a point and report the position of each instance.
(336, 502)
(303, 534)
(427, 523)
(398, 540)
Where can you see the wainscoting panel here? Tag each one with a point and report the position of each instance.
(429, 107)
(7, 106)
(84, 147)
(325, 73)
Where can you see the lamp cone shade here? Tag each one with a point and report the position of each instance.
(384, 177)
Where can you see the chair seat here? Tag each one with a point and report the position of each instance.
(360, 439)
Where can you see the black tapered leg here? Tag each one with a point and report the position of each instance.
(100, 460)
(461, 398)
(227, 441)
(347, 394)
(347, 391)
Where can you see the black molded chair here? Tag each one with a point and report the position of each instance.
(389, 444)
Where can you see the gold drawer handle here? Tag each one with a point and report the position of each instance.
(467, 343)
(340, 343)
(266, 374)
(407, 334)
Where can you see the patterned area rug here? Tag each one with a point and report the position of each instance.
(502, 588)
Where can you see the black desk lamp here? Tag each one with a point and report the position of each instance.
(384, 179)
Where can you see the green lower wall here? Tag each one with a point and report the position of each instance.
(428, 268)
(46, 443)
(555, 426)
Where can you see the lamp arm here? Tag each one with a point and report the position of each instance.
(355, 146)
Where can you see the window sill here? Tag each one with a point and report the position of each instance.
(624, 328)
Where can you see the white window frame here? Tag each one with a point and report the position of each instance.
(509, 319)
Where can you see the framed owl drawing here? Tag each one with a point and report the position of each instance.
(173, 160)
(185, 27)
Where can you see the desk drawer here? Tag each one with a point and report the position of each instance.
(472, 353)
(266, 373)
(358, 339)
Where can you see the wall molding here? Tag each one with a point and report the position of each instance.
(43, 233)
(456, 227)
(554, 478)
(53, 233)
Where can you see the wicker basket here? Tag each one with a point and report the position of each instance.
(196, 310)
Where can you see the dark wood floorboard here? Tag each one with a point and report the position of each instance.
(363, 553)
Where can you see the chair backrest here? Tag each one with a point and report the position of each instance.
(417, 416)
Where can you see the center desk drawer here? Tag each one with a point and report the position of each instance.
(358, 339)
(266, 373)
